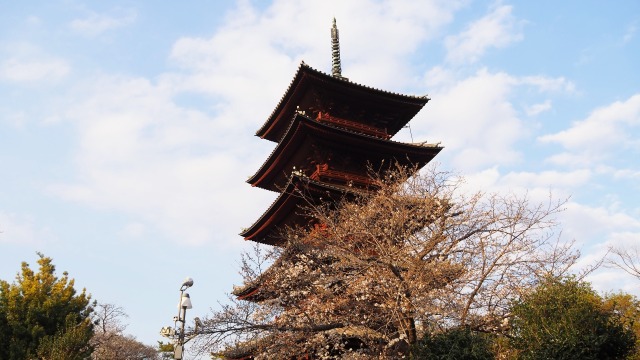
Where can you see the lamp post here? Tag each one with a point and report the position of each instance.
(183, 305)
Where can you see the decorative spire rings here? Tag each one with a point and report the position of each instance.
(336, 67)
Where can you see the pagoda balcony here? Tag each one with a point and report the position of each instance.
(324, 116)
(324, 174)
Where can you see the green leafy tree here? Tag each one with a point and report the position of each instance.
(166, 350)
(42, 316)
(627, 307)
(565, 319)
(455, 344)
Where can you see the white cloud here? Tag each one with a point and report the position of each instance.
(603, 280)
(23, 230)
(536, 109)
(596, 224)
(95, 24)
(483, 180)
(538, 187)
(439, 77)
(250, 43)
(627, 174)
(605, 130)
(549, 179)
(475, 118)
(574, 160)
(548, 84)
(624, 239)
(25, 63)
(180, 170)
(33, 69)
(497, 29)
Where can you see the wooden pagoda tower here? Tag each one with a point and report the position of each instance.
(329, 132)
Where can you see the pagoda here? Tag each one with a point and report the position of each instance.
(330, 132)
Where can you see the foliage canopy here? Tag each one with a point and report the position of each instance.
(42, 316)
(565, 319)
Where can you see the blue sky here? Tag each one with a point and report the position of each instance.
(126, 129)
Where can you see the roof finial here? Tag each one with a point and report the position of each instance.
(336, 67)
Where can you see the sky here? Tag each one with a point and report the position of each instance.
(127, 128)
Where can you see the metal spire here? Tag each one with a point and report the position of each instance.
(336, 67)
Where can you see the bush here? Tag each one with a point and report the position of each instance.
(565, 319)
(455, 344)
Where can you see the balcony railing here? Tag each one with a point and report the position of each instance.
(352, 125)
(324, 174)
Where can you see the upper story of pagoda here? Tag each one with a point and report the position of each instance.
(337, 101)
(327, 152)
(333, 137)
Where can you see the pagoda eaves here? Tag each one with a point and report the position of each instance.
(312, 91)
(307, 143)
(286, 211)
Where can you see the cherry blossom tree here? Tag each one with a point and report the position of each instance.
(109, 340)
(380, 269)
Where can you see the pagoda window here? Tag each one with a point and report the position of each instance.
(324, 116)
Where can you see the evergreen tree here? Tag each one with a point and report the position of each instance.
(42, 316)
(565, 319)
(627, 307)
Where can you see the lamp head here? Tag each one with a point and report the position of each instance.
(188, 282)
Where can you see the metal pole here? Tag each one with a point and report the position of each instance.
(182, 314)
(180, 304)
(184, 318)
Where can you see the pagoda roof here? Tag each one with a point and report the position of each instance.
(398, 108)
(297, 144)
(287, 209)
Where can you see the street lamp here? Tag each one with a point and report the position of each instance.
(183, 304)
